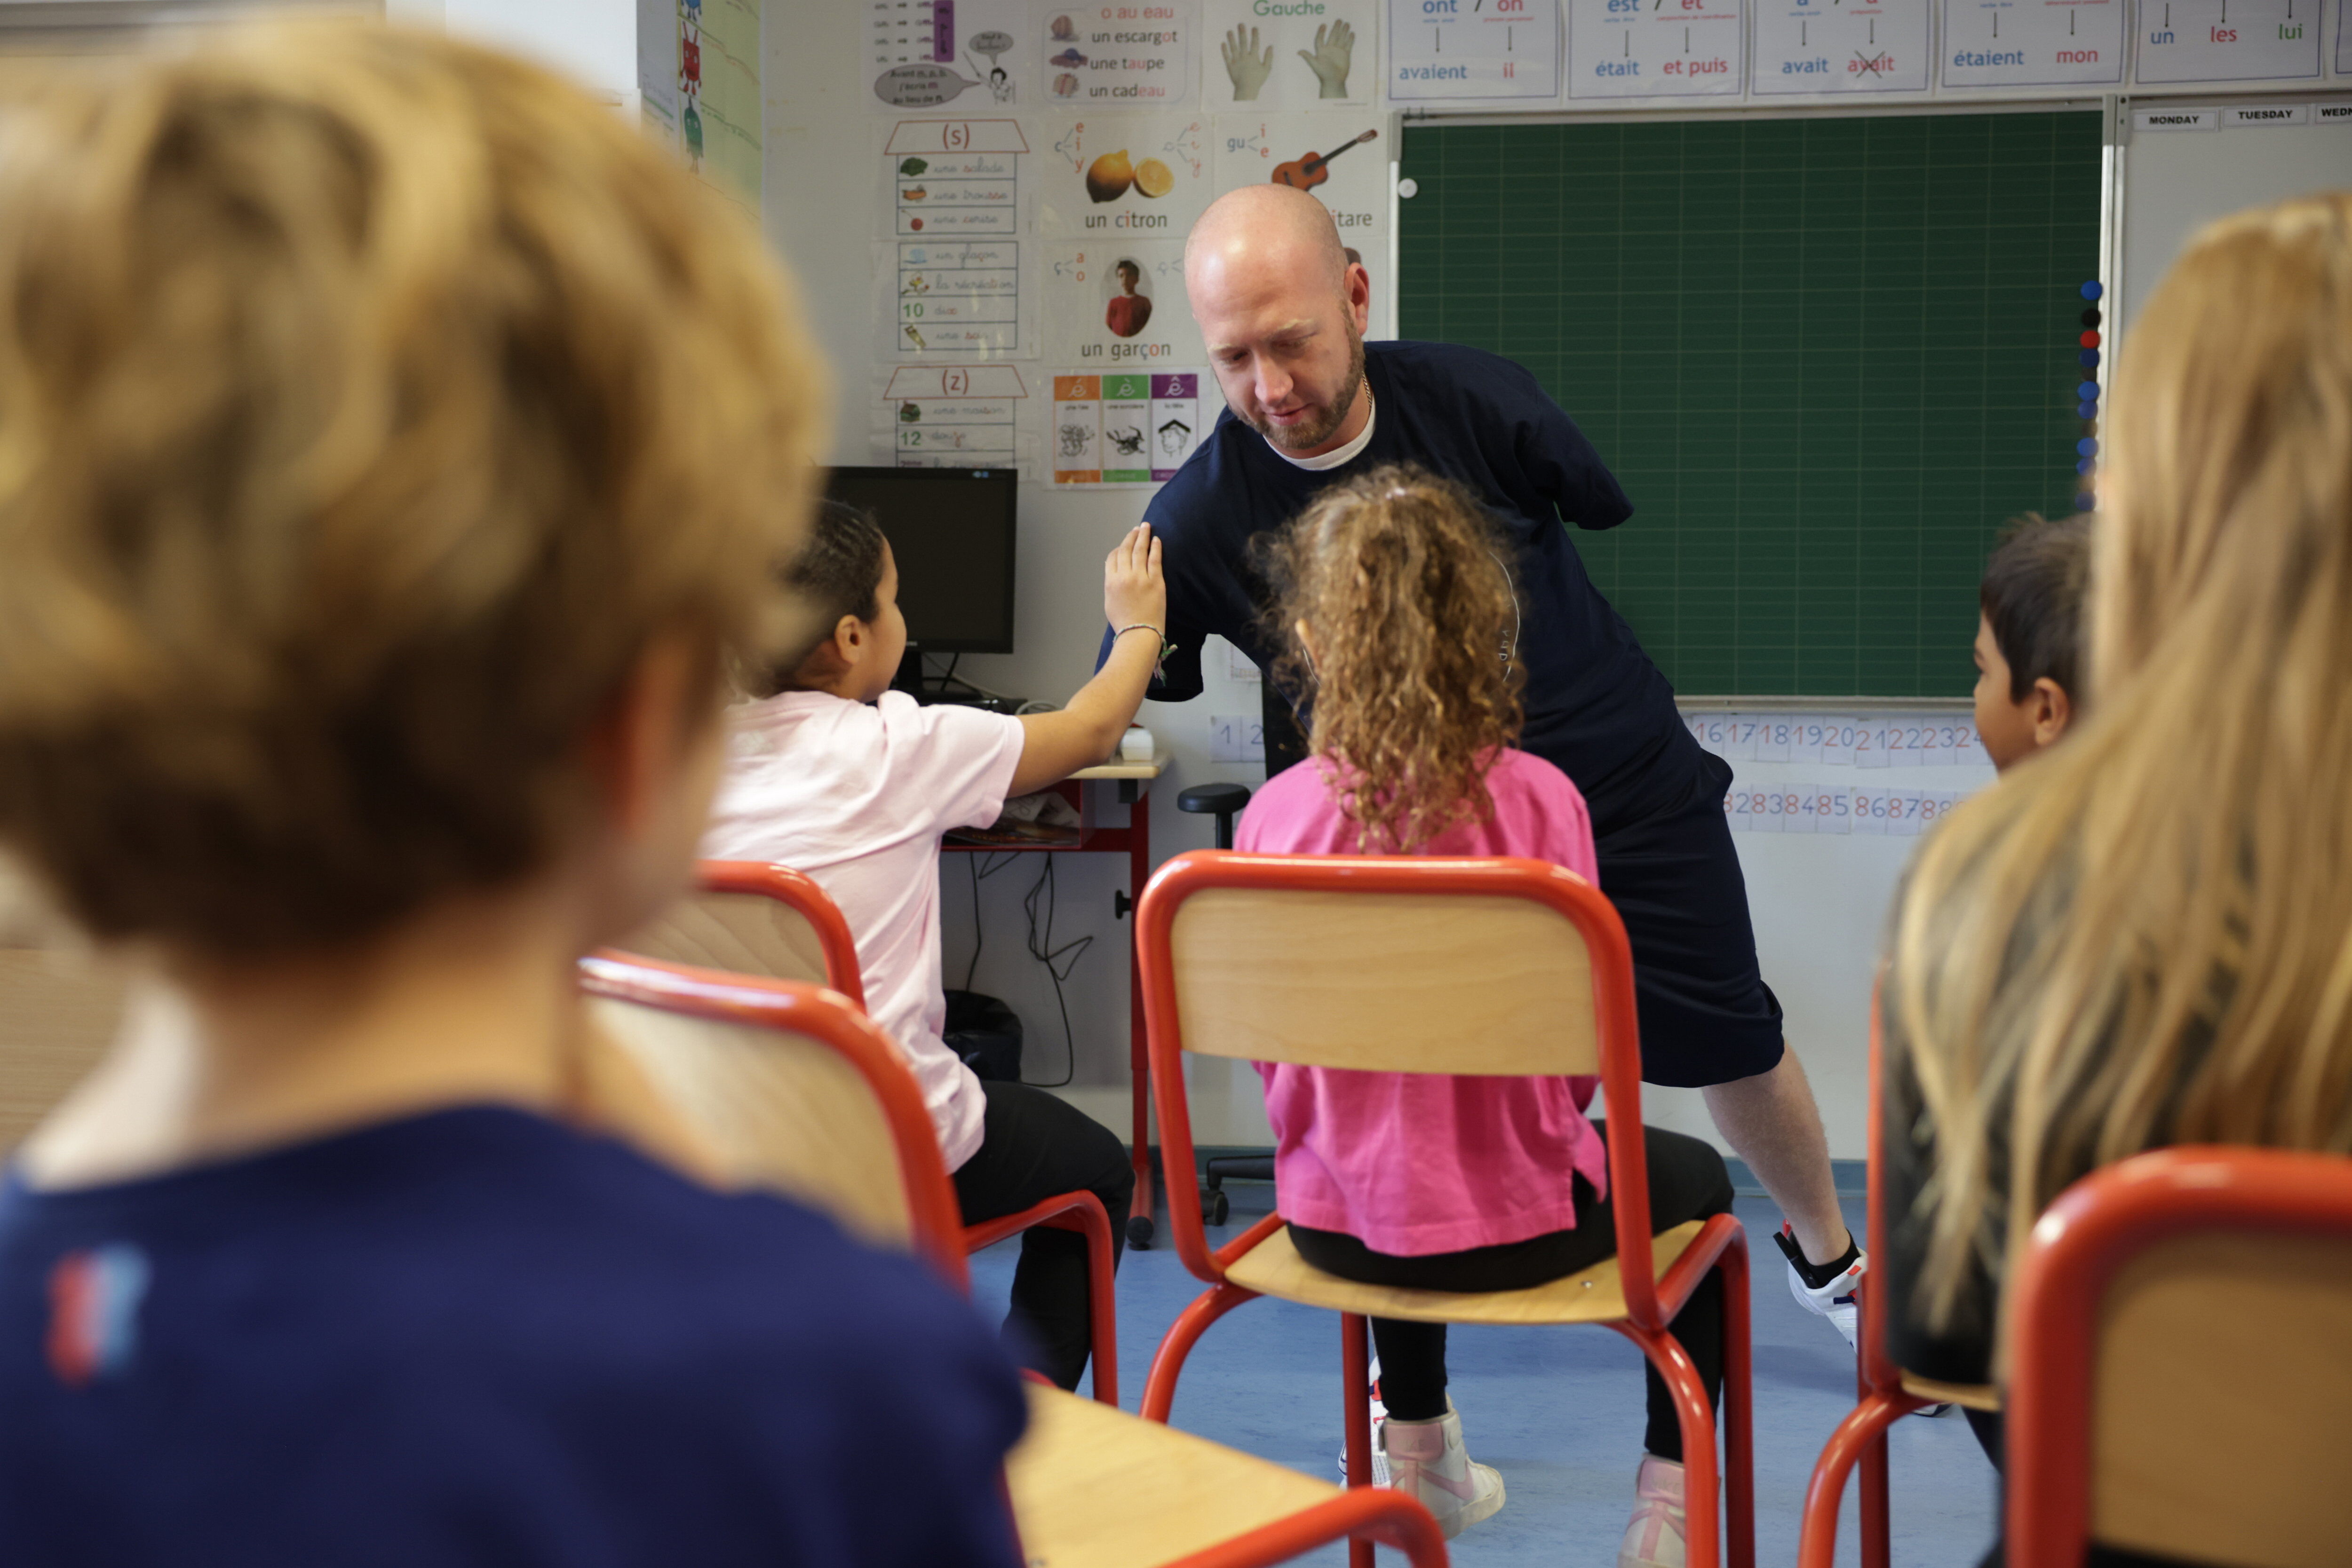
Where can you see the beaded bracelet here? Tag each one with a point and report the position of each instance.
(1166, 647)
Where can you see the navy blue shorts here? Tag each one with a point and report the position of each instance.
(1667, 863)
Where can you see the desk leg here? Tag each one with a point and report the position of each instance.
(1138, 1060)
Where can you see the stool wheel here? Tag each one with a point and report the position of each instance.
(1139, 1232)
(1215, 1207)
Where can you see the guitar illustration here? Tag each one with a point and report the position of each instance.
(1316, 167)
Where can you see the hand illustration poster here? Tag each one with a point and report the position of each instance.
(927, 54)
(1274, 56)
(1136, 54)
(1140, 175)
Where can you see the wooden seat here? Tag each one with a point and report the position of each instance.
(749, 917)
(783, 1086)
(1403, 964)
(1274, 1268)
(2181, 1380)
(1093, 1488)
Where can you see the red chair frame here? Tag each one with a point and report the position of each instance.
(817, 1013)
(1080, 1212)
(1861, 1436)
(2081, 1242)
(1651, 1302)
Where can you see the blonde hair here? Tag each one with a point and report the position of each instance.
(368, 402)
(2144, 935)
(1400, 578)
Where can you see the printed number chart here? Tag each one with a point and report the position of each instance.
(1474, 48)
(1891, 813)
(1836, 47)
(1919, 741)
(1654, 49)
(1124, 430)
(1236, 738)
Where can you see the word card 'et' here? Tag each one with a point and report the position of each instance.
(1654, 49)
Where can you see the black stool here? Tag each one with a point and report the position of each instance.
(1224, 801)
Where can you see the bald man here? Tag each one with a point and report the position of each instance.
(1283, 310)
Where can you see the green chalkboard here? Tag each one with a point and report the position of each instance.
(1828, 357)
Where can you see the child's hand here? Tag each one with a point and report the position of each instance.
(1134, 593)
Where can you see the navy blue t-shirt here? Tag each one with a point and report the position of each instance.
(1597, 708)
(476, 1336)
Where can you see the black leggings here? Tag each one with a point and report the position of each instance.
(1034, 1147)
(1687, 1182)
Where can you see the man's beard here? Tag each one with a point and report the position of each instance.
(1315, 432)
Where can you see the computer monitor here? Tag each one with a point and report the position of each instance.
(950, 532)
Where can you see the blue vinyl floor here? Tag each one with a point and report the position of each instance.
(1557, 1410)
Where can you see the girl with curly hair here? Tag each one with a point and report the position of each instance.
(1396, 610)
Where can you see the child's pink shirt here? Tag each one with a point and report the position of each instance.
(1411, 1163)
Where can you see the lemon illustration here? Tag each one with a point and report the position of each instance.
(1108, 176)
(1154, 178)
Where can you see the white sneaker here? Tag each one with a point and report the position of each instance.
(1833, 1297)
(1655, 1536)
(1431, 1464)
(1380, 1415)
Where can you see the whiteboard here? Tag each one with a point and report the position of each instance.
(2176, 182)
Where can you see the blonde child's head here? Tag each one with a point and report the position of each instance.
(369, 406)
(2146, 937)
(1396, 610)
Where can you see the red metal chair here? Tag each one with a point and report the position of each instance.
(754, 918)
(2181, 1375)
(1887, 1394)
(788, 1087)
(1413, 965)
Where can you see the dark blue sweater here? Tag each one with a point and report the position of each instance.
(1597, 708)
(476, 1336)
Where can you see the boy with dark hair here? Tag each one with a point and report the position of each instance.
(2029, 636)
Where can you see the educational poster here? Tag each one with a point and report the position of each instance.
(952, 273)
(1832, 46)
(2033, 43)
(925, 54)
(1125, 430)
(1622, 48)
(1341, 161)
(718, 100)
(1129, 54)
(1111, 302)
(1274, 55)
(2344, 37)
(1119, 175)
(951, 416)
(657, 57)
(1474, 48)
(2227, 40)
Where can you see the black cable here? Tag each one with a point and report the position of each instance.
(1044, 952)
(979, 930)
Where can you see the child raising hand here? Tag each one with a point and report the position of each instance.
(834, 774)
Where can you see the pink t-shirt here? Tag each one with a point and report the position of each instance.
(857, 796)
(1413, 1162)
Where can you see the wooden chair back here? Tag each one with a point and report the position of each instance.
(1502, 966)
(2182, 1377)
(786, 1088)
(752, 918)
